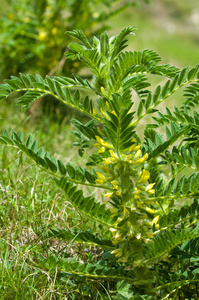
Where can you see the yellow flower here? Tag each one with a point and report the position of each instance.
(109, 195)
(113, 230)
(118, 193)
(139, 204)
(99, 129)
(137, 154)
(54, 30)
(150, 210)
(142, 159)
(138, 236)
(145, 176)
(118, 221)
(113, 154)
(101, 150)
(156, 219)
(134, 148)
(131, 148)
(136, 191)
(117, 252)
(103, 113)
(101, 142)
(129, 157)
(151, 192)
(114, 113)
(115, 184)
(101, 179)
(149, 189)
(116, 238)
(102, 90)
(109, 160)
(126, 212)
(42, 35)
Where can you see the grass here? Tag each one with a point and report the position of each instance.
(30, 204)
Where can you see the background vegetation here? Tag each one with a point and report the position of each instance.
(27, 206)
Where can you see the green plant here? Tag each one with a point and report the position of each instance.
(40, 26)
(134, 186)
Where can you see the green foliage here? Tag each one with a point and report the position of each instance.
(41, 25)
(133, 185)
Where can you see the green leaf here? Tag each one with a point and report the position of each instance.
(104, 44)
(70, 170)
(59, 90)
(50, 84)
(61, 167)
(80, 36)
(34, 146)
(156, 94)
(51, 164)
(76, 97)
(140, 109)
(25, 80)
(89, 177)
(196, 158)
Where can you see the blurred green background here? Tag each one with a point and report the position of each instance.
(169, 27)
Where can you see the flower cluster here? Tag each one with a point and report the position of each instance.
(130, 192)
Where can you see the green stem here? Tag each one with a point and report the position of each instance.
(140, 271)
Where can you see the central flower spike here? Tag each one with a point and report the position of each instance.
(125, 175)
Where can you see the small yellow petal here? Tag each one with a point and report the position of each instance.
(150, 210)
(115, 184)
(142, 159)
(109, 195)
(102, 142)
(103, 113)
(107, 161)
(102, 90)
(100, 176)
(114, 113)
(145, 176)
(113, 154)
(117, 252)
(151, 192)
(156, 219)
(138, 236)
(136, 191)
(107, 104)
(100, 130)
(139, 204)
(137, 148)
(99, 181)
(126, 212)
(129, 157)
(149, 187)
(95, 111)
(137, 154)
(101, 150)
(113, 230)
